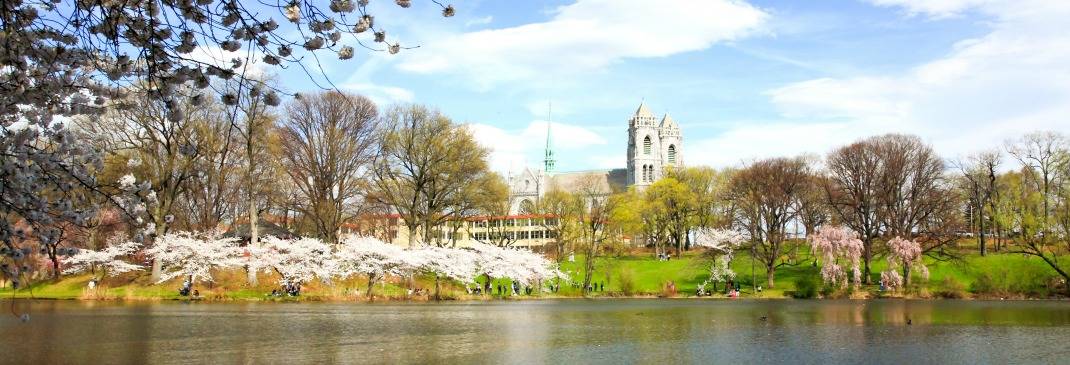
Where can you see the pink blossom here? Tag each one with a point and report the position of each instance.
(838, 246)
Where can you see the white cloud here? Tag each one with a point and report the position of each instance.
(933, 8)
(583, 37)
(381, 95)
(513, 150)
(479, 21)
(1011, 81)
(747, 142)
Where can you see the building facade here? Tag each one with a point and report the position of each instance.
(654, 144)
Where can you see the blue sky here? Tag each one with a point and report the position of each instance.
(745, 80)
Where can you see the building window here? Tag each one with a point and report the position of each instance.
(646, 145)
(672, 154)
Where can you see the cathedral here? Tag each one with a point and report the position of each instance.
(653, 145)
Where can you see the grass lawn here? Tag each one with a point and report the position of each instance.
(995, 275)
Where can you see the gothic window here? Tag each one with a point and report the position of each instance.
(646, 145)
(526, 206)
(672, 154)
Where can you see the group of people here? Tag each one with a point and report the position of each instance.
(292, 290)
(187, 290)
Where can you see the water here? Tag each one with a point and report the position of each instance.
(564, 331)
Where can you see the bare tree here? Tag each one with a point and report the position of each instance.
(913, 189)
(593, 206)
(979, 181)
(165, 146)
(328, 142)
(853, 192)
(424, 166)
(1043, 154)
(766, 196)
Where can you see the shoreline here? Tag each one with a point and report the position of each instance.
(322, 299)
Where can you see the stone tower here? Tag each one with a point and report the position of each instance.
(644, 147)
(652, 145)
(671, 141)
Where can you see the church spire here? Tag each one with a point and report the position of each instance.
(548, 161)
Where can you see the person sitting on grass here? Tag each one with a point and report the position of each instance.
(184, 291)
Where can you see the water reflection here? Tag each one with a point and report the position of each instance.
(567, 331)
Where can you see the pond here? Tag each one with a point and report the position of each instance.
(541, 331)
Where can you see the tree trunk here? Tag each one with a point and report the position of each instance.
(588, 269)
(437, 297)
(371, 284)
(254, 236)
(866, 257)
(981, 228)
(412, 235)
(161, 229)
(770, 273)
(906, 275)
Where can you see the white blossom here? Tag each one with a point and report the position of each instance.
(194, 256)
(110, 259)
(297, 261)
(519, 265)
(360, 255)
(454, 263)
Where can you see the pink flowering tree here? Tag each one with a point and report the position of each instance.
(720, 243)
(903, 256)
(839, 249)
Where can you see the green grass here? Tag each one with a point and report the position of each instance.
(996, 275)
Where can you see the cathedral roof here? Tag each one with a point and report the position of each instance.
(643, 111)
(602, 181)
(668, 122)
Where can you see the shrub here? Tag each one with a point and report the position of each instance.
(626, 278)
(805, 287)
(951, 289)
(988, 284)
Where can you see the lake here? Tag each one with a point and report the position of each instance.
(615, 331)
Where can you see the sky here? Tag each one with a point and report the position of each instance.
(745, 79)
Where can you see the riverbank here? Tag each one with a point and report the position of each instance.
(996, 276)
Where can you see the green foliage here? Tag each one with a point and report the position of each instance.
(806, 287)
(950, 288)
(626, 281)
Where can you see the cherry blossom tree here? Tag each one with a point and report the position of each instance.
(61, 59)
(519, 265)
(109, 260)
(297, 261)
(903, 255)
(194, 256)
(368, 256)
(452, 263)
(721, 243)
(839, 248)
